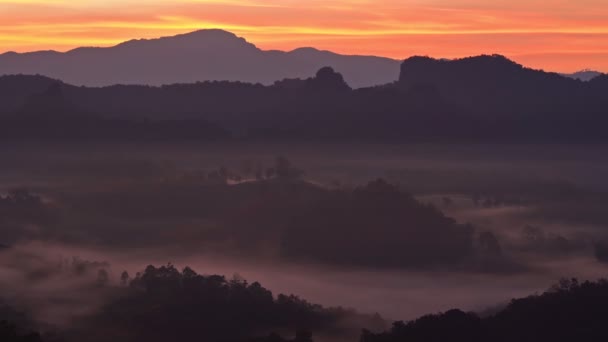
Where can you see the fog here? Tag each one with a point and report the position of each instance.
(215, 208)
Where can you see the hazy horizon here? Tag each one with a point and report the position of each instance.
(562, 36)
(580, 69)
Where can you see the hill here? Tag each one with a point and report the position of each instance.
(475, 99)
(204, 55)
(568, 311)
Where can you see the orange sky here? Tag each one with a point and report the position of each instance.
(556, 35)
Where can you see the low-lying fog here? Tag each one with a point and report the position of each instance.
(393, 294)
(542, 206)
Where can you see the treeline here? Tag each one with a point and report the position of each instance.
(9, 332)
(485, 98)
(569, 311)
(165, 304)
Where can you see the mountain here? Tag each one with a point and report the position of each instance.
(481, 79)
(584, 75)
(197, 56)
(494, 84)
(480, 99)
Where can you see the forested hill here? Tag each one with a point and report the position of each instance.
(481, 99)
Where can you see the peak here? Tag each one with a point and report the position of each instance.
(305, 49)
(495, 58)
(208, 37)
(32, 53)
(219, 33)
(585, 73)
(421, 58)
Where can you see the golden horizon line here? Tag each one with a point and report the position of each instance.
(112, 43)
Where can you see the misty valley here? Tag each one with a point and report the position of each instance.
(294, 241)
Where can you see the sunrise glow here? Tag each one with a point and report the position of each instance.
(557, 35)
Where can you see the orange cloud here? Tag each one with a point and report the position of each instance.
(564, 35)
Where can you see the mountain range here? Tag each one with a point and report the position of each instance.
(204, 55)
(483, 98)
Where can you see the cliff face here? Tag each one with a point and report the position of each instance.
(498, 85)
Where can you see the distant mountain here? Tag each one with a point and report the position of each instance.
(584, 75)
(198, 56)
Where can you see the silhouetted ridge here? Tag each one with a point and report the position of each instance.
(204, 55)
(334, 228)
(16, 89)
(9, 332)
(494, 85)
(486, 98)
(569, 311)
(472, 81)
(600, 81)
(46, 110)
(306, 49)
(50, 104)
(584, 75)
(209, 39)
(165, 304)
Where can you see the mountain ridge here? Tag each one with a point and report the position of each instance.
(484, 98)
(202, 55)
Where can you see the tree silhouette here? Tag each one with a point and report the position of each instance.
(569, 311)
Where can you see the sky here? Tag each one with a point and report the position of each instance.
(555, 35)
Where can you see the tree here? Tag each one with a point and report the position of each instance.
(124, 278)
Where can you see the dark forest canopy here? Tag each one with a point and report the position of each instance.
(9, 332)
(381, 226)
(485, 98)
(569, 311)
(165, 304)
(16, 326)
(376, 225)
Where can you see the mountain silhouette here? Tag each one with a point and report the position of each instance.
(584, 75)
(484, 98)
(53, 114)
(568, 311)
(204, 55)
(481, 80)
(494, 85)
